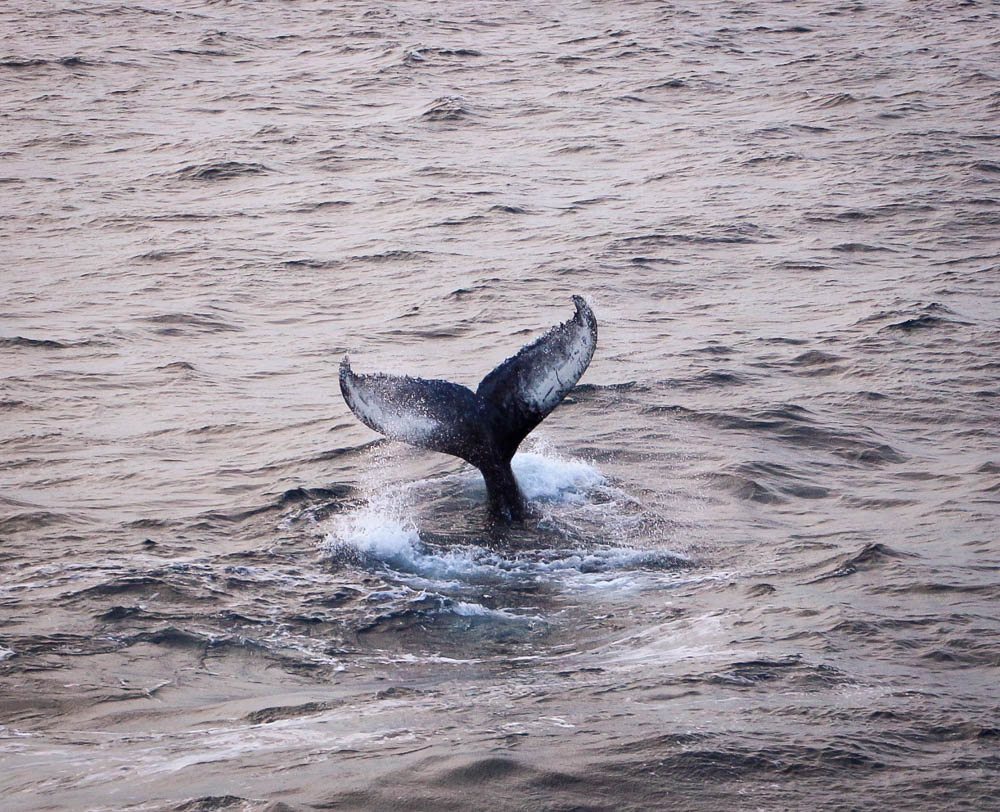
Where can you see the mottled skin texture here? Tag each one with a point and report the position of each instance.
(484, 427)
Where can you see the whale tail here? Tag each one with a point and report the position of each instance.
(484, 427)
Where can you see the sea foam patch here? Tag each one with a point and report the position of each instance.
(543, 475)
(382, 534)
(378, 530)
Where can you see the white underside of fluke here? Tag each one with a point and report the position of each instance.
(402, 421)
(549, 382)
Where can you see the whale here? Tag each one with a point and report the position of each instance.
(484, 427)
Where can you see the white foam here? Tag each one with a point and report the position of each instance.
(545, 476)
(373, 530)
(383, 533)
(542, 475)
(6, 653)
(382, 527)
(425, 569)
(466, 609)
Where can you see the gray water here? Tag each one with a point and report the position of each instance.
(764, 571)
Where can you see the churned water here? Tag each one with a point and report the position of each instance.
(765, 568)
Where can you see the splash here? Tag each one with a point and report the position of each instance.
(382, 528)
(382, 534)
(545, 476)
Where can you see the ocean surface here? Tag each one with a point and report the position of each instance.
(764, 573)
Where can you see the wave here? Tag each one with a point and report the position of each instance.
(220, 170)
(447, 108)
(15, 63)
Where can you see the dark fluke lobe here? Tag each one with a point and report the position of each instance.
(484, 427)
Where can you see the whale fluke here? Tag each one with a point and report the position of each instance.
(484, 427)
